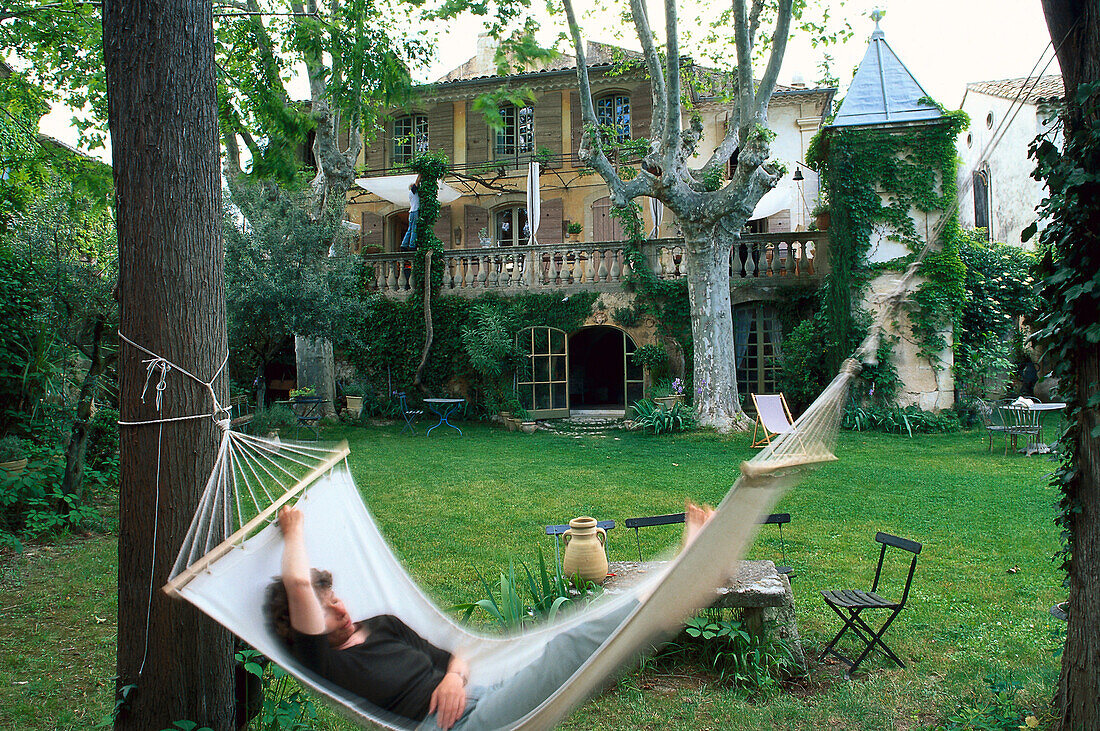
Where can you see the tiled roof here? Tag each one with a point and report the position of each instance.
(1034, 91)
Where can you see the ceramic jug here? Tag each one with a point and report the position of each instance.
(584, 550)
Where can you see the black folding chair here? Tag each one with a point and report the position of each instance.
(779, 519)
(309, 413)
(410, 415)
(849, 605)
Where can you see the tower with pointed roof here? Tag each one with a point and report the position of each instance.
(885, 101)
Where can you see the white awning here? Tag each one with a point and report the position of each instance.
(395, 189)
(774, 201)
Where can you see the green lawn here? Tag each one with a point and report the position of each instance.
(454, 505)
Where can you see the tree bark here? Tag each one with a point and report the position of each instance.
(163, 120)
(1075, 32)
(715, 369)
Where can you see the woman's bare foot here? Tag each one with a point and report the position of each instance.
(695, 517)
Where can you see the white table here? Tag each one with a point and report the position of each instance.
(1031, 421)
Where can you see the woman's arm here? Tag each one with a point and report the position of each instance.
(306, 614)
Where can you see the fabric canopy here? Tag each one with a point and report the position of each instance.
(395, 189)
(657, 210)
(774, 201)
(534, 201)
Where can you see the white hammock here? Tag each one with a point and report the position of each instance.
(253, 477)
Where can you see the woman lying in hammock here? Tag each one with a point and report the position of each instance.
(383, 661)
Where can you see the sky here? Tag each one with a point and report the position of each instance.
(944, 43)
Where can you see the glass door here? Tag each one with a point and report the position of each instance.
(543, 384)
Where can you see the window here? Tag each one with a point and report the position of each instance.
(981, 201)
(510, 226)
(614, 111)
(517, 136)
(410, 136)
(757, 339)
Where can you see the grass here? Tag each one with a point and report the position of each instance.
(452, 506)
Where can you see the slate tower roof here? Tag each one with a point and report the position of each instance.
(883, 90)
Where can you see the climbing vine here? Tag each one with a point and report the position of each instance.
(915, 168)
(431, 166)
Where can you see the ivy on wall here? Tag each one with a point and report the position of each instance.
(915, 168)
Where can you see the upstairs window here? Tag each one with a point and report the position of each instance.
(410, 136)
(517, 136)
(614, 112)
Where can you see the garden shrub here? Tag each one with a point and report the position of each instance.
(651, 417)
(898, 420)
(724, 646)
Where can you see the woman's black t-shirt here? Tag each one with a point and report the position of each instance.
(394, 668)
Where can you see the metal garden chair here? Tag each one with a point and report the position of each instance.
(779, 519)
(850, 604)
(993, 421)
(410, 415)
(1021, 421)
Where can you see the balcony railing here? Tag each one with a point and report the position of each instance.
(762, 259)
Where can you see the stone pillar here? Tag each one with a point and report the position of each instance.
(313, 359)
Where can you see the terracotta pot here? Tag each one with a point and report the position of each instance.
(822, 220)
(584, 550)
(528, 427)
(14, 468)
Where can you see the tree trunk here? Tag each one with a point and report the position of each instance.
(162, 110)
(708, 275)
(72, 482)
(1075, 32)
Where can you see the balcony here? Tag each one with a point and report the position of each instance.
(761, 260)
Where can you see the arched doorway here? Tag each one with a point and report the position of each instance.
(602, 374)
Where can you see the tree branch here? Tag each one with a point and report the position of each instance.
(653, 65)
(775, 60)
(672, 79)
(744, 66)
(591, 149)
(754, 21)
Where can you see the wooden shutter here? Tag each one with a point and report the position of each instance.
(548, 124)
(577, 127)
(441, 132)
(604, 227)
(370, 233)
(780, 223)
(641, 111)
(374, 156)
(551, 223)
(477, 135)
(442, 227)
(477, 218)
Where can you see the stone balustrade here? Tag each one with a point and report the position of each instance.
(600, 266)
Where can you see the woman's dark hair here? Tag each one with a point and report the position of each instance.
(277, 603)
(415, 187)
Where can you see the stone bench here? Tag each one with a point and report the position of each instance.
(761, 593)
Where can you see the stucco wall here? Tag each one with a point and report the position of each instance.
(1014, 194)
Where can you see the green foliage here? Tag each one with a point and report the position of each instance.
(367, 340)
(916, 167)
(285, 706)
(652, 356)
(267, 420)
(626, 317)
(998, 709)
(909, 420)
(431, 166)
(280, 280)
(514, 603)
(12, 448)
(1069, 273)
(1000, 291)
(660, 420)
(575, 227)
(726, 647)
(491, 345)
(32, 503)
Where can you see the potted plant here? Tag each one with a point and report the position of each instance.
(821, 216)
(544, 156)
(574, 229)
(484, 238)
(675, 394)
(353, 395)
(13, 455)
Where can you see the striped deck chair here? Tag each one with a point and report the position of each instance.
(772, 418)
